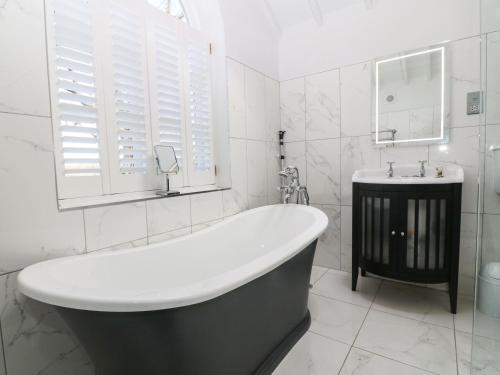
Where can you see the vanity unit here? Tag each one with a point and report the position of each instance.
(406, 225)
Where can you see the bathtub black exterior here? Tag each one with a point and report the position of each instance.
(246, 331)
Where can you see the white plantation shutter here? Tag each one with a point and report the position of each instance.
(199, 109)
(124, 77)
(76, 105)
(129, 130)
(166, 85)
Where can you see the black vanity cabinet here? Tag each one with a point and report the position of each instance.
(407, 232)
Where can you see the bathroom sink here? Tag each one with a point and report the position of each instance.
(409, 174)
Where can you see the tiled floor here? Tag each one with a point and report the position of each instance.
(384, 328)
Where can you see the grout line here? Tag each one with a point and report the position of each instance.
(394, 360)
(329, 338)
(359, 329)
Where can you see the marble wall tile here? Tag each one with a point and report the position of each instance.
(356, 99)
(346, 239)
(273, 163)
(199, 227)
(31, 227)
(463, 150)
(23, 66)
(313, 355)
(493, 79)
(323, 171)
(169, 235)
(257, 173)
(403, 155)
(36, 340)
(415, 343)
(360, 362)
(127, 245)
(328, 248)
(168, 214)
(255, 89)
(490, 239)
(490, 16)
(236, 99)
(490, 197)
(467, 271)
(206, 207)
(116, 224)
(273, 113)
(356, 153)
(236, 200)
(293, 109)
(323, 105)
(465, 66)
(295, 155)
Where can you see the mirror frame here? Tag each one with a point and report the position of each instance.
(445, 96)
(158, 166)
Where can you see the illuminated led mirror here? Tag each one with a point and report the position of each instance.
(411, 98)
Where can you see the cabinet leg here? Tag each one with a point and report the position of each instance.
(355, 271)
(363, 273)
(453, 297)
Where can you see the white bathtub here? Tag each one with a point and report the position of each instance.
(194, 305)
(179, 272)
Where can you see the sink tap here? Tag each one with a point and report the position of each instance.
(422, 168)
(390, 172)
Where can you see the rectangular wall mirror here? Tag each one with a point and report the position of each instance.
(411, 94)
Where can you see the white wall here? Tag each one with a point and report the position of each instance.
(251, 37)
(355, 33)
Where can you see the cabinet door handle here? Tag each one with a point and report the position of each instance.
(402, 234)
(393, 232)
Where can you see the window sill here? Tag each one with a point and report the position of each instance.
(104, 200)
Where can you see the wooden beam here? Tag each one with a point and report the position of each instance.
(271, 15)
(316, 11)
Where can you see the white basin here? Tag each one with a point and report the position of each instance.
(408, 174)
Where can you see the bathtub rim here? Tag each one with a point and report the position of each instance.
(190, 294)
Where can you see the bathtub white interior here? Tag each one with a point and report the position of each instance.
(180, 272)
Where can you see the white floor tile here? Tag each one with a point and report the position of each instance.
(337, 285)
(415, 343)
(317, 273)
(360, 362)
(464, 351)
(464, 318)
(334, 319)
(485, 359)
(314, 355)
(413, 302)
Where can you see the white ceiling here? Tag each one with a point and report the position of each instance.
(291, 12)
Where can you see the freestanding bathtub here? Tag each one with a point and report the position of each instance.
(229, 300)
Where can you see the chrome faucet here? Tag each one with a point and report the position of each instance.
(422, 168)
(292, 176)
(390, 172)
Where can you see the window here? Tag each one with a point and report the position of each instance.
(126, 75)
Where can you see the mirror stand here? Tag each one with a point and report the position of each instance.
(167, 192)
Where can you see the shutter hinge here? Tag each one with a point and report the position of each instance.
(211, 48)
(215, 170)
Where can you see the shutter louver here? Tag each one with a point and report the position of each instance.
(198, 59)
(75, 88)
(129, 94)
(168, 82)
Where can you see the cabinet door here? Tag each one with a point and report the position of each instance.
(376, 213)
(423, 254)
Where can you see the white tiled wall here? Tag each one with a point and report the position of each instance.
(328, 120)
(34, 339)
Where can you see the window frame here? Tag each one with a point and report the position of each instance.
(110, 182)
